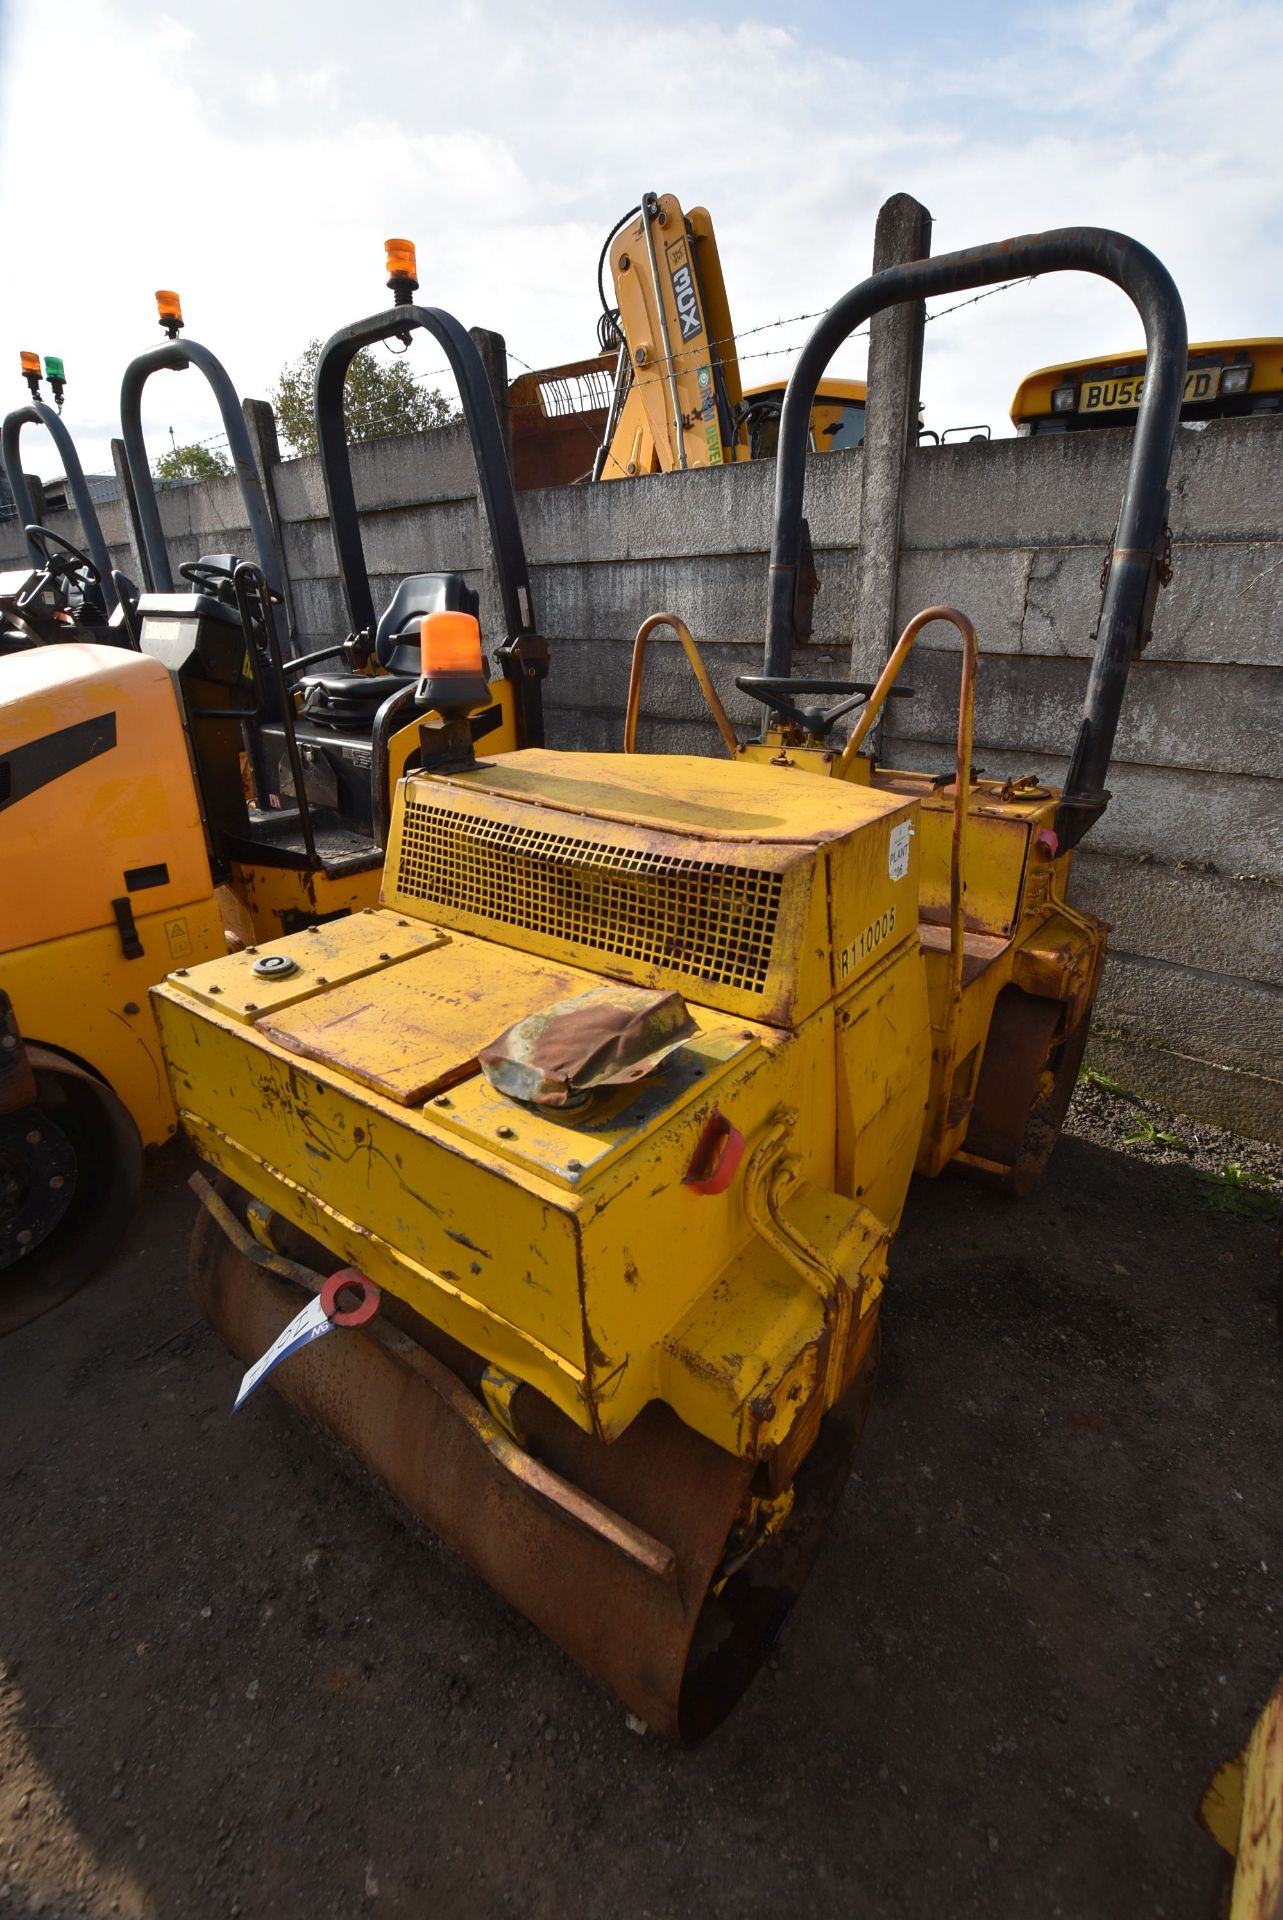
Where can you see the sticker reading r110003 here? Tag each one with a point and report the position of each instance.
(875, 935)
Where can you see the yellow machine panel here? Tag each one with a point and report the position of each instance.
(612, 863)
(345, 1088)
(96, 760)
(82, 996)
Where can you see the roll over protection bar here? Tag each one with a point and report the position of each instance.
(37, 414)
(1138, 553)
(178, 355)
(525, 665)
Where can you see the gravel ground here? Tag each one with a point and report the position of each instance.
(231, 1682)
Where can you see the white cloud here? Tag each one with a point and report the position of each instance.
(255, 157)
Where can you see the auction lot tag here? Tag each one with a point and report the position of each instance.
(317, 1318)
(305, 1327)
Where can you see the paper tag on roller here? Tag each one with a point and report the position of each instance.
(305, 1327)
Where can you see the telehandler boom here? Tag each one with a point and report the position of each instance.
(617, 1094)
(678, 401)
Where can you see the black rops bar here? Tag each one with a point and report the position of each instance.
(40, 415)
(1138, 557)
(180, 354)
(524, 666)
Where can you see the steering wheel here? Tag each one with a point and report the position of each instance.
(778, 695)
(207, 573)
(71, 562)
(204, 573)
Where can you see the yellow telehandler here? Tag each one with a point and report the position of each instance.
(616, 1095)
(678, 401)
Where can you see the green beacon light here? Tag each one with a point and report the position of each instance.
(56, 375)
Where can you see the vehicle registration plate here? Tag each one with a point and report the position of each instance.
(1119, 392)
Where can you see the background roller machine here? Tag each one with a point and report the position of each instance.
(292, 752)
(146, 808)
(617, 1094)
(66, 594)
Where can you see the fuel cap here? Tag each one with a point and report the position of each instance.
(275, 966)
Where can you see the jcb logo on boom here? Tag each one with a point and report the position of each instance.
(684, 294)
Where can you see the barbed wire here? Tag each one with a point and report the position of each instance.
(658, 372)
(1024, 280)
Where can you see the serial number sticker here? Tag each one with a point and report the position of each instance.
(875, 934)
(898, 851)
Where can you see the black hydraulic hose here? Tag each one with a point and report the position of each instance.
(178, 355)
(296, 666)
(1127, 600)
(606, 307)
(40, 415)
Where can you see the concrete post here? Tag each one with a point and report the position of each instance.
(903, 232)
(261, 423)
(494, 352)
(36, 488)
(138, 559)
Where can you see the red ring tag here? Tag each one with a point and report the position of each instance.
(354, 1316)
(718, 1152)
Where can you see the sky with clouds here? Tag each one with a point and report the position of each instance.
(256, 155)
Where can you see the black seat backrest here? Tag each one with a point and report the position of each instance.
(396, 641)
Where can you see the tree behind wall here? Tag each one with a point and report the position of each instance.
(191, 463)
(380, 397)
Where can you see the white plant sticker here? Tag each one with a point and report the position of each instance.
(898, 851)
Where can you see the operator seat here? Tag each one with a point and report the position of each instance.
(348, 702)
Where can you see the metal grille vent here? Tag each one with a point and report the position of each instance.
(714, 922)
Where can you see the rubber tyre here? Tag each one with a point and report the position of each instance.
(109, 1164)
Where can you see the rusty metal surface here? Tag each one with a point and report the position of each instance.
(556, 448)
(649, 1554)
(415, 1043)
(1258, 1883)
(1242, 1809)
(1026, 1082)
(674, 1651)
(730, 739)
(608, 1037)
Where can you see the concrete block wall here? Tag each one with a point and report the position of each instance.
(1187, 864)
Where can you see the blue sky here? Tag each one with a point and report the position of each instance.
(272, 148)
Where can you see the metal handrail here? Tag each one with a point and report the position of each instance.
(38, 414)
(961, 797)
(521, 661)
(730, 739)
(1139, 558)
(178, 355)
